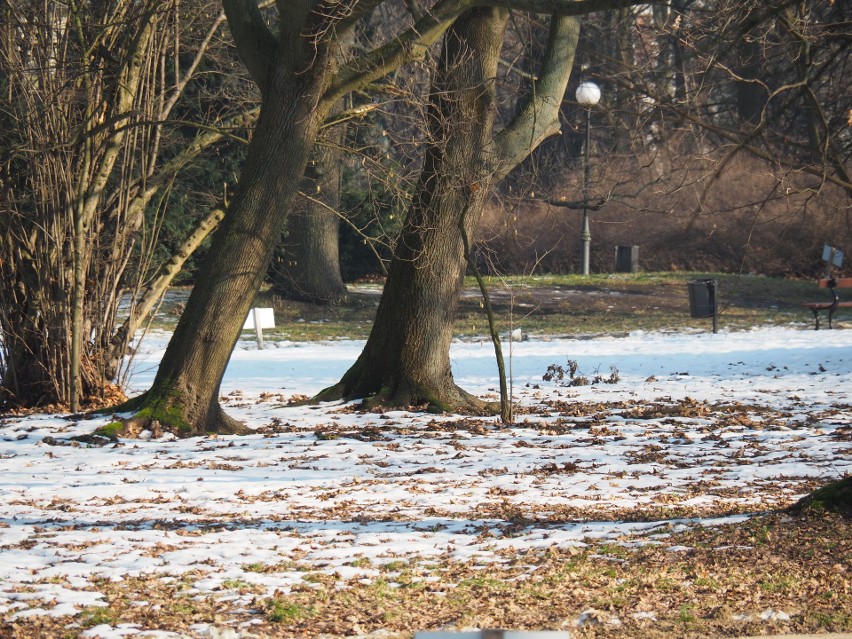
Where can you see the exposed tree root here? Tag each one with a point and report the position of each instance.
(167, 414)
(410, 396)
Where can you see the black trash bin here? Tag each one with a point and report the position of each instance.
(626, 259)
(702, 299)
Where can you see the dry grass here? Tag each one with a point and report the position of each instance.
(750, 218)
(776, 573)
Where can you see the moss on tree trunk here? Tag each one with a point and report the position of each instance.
(168, 413)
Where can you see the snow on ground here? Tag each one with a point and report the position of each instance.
(698, 429)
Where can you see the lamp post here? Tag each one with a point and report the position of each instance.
(588, 95)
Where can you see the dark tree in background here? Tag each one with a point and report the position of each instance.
(308, 267)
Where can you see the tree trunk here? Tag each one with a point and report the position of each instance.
(184, 395)
(406, 359)
(309, 269)
(750, 92)
(301, 74)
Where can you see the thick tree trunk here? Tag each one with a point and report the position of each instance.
(184, 395)
(142, 308)
(406, 359)
(309, 269)
(296, 69)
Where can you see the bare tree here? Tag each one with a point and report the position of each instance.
(78, 82)
(406, 359)
(84, 182)
(301, 74)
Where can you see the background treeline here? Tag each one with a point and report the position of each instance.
(722, 142)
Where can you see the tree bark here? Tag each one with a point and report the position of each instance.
(184, 395)
(309, 269)
(406, 359)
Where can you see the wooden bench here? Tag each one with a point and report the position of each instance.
(833, 284)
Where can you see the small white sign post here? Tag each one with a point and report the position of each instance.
(258, 319)
(833, 258)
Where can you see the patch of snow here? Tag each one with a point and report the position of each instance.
(268, 508)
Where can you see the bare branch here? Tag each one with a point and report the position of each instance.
(562, 7)
(539, 119)
(408, 46)
(142, 308)
(576, 205)
(182, 82)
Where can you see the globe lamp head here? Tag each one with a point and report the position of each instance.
(588, 94)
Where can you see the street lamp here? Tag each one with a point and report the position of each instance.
(588, 95)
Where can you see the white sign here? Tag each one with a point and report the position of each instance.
(832, 255)
(265, 317)
(258, 319)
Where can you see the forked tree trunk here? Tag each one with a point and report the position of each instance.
(184, 395)
(298, 70)
(406, 359)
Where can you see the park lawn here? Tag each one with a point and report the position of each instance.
(647, 501)
(559, 305)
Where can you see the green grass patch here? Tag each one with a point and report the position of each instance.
(777, 583)
(280, 610)
(606, 303)
(96, 616)
(110, 430)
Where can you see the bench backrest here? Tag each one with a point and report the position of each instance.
(840, 282)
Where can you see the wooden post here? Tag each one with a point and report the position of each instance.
(257, 328)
